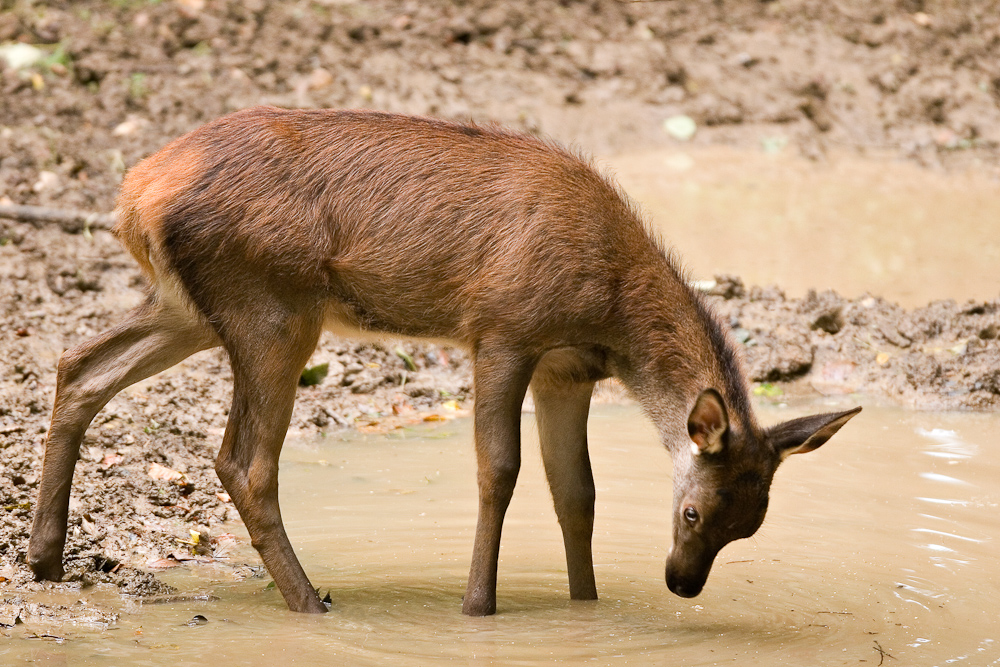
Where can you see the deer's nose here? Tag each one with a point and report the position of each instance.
(684, 588)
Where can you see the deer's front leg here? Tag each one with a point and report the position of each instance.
(561, 411)
(501, 381)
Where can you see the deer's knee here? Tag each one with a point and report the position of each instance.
(76, 385)
(497, 481)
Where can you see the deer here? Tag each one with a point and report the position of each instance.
(259, 230)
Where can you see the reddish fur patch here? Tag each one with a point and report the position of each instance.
(148, 189)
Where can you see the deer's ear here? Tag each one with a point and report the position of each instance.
(708, 424)
(805, 434)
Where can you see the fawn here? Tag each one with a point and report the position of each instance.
(264, 227)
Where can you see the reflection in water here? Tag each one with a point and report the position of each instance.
(943, 501)
(864, 543)
(947, 538)
(947, 444)
(938, 477)
(944, 534)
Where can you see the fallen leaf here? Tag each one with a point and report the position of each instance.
(680, 127)
(222, 545)
(407, 359)
(89, 527)
(112, 460)
(20, 56)
(130, 125)
(314, 375)
(190, 558)
(163, 473)
(47, 180)
(190, 8)
(319, 78)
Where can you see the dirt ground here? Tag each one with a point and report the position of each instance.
(117, 80)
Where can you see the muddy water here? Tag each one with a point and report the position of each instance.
(887, 537)
(852, 224)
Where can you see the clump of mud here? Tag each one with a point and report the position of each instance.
(16, 609)
(943, 356)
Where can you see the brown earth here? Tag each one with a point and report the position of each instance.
(921, 78)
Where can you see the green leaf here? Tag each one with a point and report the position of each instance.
(768, 390)
(313, 376)
(408, 361)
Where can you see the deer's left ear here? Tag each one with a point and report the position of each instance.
(708, 423)
(805, 434)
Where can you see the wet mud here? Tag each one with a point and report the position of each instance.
(120, 79)
(145, 492)
(918, 81)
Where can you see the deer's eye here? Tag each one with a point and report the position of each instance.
(691, 515)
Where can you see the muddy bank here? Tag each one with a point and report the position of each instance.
(118, 80)
(942, 356)
(114, 81)
(145, 479)
(146, 495)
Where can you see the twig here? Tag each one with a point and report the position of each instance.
(69, 220)
(882, 654)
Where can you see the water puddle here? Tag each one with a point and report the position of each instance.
(853, 224)
(885, 541)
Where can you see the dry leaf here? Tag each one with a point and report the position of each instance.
(163, 563)
(163, 473)
(89, 527)
(112, 460)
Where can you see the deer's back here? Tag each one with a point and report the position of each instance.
(400, 224)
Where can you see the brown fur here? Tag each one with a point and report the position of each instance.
(261, 228)
(146, 193)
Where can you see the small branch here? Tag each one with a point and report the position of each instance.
(882, 654)
(68, 220)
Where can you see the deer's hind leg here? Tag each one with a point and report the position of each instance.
(153, 337)
(268, 345)
(561, 389)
